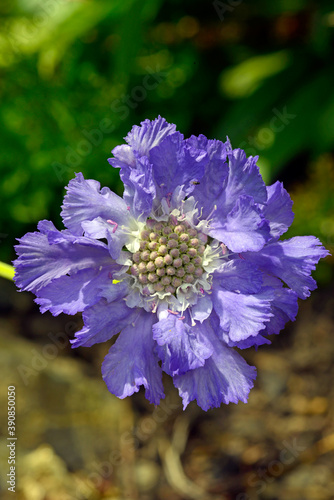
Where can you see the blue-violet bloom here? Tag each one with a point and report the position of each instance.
(186, 266)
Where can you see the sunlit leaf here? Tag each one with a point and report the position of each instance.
(243, 79)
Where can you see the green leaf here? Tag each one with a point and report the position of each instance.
(242, 80)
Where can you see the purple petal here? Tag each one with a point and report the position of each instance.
(210, 189)
(175, 163)
(284, 308)
(242, 316)
(278, 209)
(139, 188)
(71, 294)
(181, 347)
(100, 229)
(141, 139)
(102, 321)
(131, 361)
(150, 134)
(114, 291)
(49, 254)
(202, 309)
(224, 183)
(243, 228)
(238, 275)
(250, 342)
(85, 201)
(225, 377)
(244, 179)
(292, 261)
(256, 341)
(124, 157)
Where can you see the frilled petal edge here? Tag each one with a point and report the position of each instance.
(242, 316)
(74, 293)
(131, 362)
(284, 306)
(50, 254)
(278, 209)
(292, 261)
(102, 321)
(85, 201)
(141, 139)
(210, 189)
(180, 347)
(224, 378)
(139, 187)
(244, 178)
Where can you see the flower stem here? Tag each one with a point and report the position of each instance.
(6, 271)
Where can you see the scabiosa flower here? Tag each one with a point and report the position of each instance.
(186, 266)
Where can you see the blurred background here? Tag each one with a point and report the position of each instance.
(74, 77)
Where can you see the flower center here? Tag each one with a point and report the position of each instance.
(170, 255)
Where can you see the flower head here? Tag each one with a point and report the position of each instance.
(186, 266)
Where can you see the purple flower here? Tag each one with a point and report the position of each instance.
(187, 265)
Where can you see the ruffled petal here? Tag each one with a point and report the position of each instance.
(141, 139)
(124, 157)
(224, 378)
(49, 254)
(284, 308)
(255, 341)
(211, 186)
(278, 209)
(139, 187)
(102, 321)
(244, 179)
(224, 182)
(131, 362)
(238, 275)
(175, 163)
(72, 294)
(243, 228)
(241, 316)
(85, 201)
(250, 342)
(292, 261)
(149, 134)
(180, 347)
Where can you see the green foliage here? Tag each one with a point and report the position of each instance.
(314, 209)
(75, 76)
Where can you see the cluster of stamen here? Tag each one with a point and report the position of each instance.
(170, 254)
